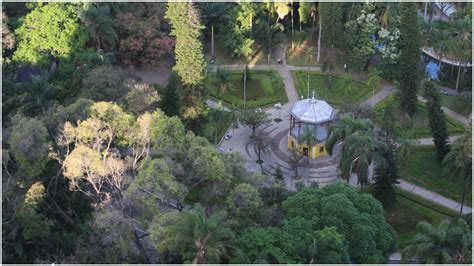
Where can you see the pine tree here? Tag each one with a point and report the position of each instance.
(409, 56)
(437, 121)
(186, 27)
(385, 177)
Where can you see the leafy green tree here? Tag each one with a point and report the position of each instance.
(106, 83)
(304, 11)
(409, 57)
(262, 144)
(254, 119)
(437, 120)
(449, 242)
(198, 237)
(49, 30)
(186, 27)
(458, 162)
(330, 247)
(245, 203)
(358, 218)
(34, 225)
(112, 239)
(29, 145)
(141, 97)
(155, 182)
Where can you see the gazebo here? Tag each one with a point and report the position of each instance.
(314, 116)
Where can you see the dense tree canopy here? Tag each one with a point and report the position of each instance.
(50, 30)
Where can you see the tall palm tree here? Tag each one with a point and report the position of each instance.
(344, 128)
(449, 242)
(359, 147)
(458, 162)
(406, 140)
(198, 237)
(308, 138)
(225, 81)
(249, 9)
(359, 151)
(429, 244)
(212, 14)
(348, 81)
(373, 81)
(98, 19)
(461, 34)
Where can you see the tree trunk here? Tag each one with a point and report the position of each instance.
(212, 41)
(431, 13)
(251, 23)
(457, 79)
(426, 9)
(245, 85)
(452, 70)
(319, 39)
(463, 196)
(268, 56)
(292, 28)
(307, 82)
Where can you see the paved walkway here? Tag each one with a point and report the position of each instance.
(451, 113)
(429, 141)
(435, 197)
(240, 142)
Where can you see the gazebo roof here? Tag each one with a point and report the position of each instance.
(312, 111)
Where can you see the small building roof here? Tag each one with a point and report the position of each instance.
(312, 111)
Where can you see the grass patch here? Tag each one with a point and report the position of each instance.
(421, 125)
(456, 104)
(409, 211)
(260, 90)
(297, 57)
(426, 171)
(337, 94)
(215, 125)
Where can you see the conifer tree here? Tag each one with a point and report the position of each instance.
(186, 27)
(385, 177)
(331, 22)
(437, 121)
(409, 56)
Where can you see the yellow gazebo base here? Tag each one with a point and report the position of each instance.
(314, 151)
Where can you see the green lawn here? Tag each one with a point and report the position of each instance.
(260, 91)
(426, 171)
(337, 94)
(454, 103)
(297, 57)
(215, 125)
(421, 126)
(409, 211)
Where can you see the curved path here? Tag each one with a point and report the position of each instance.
(314, 172)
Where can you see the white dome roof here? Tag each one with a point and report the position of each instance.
(312, 111)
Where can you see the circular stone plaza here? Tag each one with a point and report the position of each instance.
(304, 127)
